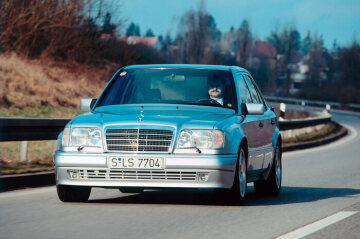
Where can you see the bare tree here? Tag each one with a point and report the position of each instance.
(194, 36)
(349, 83)
(244, 45)
(315, 62)
(286, 44)
(65, 29)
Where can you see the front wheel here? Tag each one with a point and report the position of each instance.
(272, 186)
(73, 193)
(239, 187)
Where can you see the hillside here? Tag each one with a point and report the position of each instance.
(45, 88)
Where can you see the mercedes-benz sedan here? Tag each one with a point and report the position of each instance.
(172, 126)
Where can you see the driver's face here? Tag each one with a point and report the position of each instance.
(215, 91)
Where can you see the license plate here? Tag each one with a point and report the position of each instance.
(135, 162)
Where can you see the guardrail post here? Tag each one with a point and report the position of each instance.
(54, 143)
(328, 108)
(303, 105)
(22, 150)
(282, 110)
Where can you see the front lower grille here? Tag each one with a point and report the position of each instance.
(116, 174)
(139, 140)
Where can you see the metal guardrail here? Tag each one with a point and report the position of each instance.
(302, 102)
(303, 123)
(335, 105)
(27, 129)
(23, 129)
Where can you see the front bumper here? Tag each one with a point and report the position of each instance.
(180, 171)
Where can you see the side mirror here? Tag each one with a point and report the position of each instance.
(86, 104)
(252, 109)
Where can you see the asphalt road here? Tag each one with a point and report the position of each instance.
(317, 184)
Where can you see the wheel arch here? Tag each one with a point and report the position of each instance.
(276, 137)
(244, 143)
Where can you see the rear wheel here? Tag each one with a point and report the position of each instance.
(131, 190)
(272, 186)
(73, 193)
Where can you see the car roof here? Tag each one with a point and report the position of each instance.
(186, 66)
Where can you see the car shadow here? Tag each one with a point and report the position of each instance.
(288, 195)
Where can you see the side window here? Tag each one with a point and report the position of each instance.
(261, 97)
(256, 98)
(243, 90)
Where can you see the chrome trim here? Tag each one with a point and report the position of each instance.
(148, 175)
(216, 179)
(144, 142)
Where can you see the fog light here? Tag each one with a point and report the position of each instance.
(74, 174)
(203, 176)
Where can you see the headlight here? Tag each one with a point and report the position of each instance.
(87, 137)
(202, 139)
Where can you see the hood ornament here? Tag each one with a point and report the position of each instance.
(141, 116)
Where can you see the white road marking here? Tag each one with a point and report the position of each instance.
(352, 135)
(318, 225)
(24, 192)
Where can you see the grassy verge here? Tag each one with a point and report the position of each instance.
(330, 129)
(39, 157)
(39, 112)
(289, 115)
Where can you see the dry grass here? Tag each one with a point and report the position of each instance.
(42, 88)
(328, 130)
(46, 85)
(289, 114)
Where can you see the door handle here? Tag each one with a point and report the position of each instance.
(261, 124)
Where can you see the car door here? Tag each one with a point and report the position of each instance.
(254, 131)
(268, 123)
(250, 127)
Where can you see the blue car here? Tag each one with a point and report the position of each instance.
(172, 126)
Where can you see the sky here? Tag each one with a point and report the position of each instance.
(333, 19)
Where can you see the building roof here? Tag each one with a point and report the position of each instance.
(264, 49)
(132, 40)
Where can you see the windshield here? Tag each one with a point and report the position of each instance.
(171, 86)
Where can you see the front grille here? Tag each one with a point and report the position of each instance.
(116, 174)
(138, 140)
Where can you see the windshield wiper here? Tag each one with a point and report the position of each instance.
(203, 104)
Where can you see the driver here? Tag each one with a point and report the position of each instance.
(216, 90)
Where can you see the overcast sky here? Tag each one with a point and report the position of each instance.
(334, 19)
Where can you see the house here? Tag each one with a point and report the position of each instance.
(148, 41)
(263, 50)
(133, 40)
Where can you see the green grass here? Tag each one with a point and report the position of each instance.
(39, 154)
(39, 157)
(16, 167)
(39, 112)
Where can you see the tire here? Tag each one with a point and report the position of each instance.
(272, 186)
(73, 193)
(131, 190)
(239, 188)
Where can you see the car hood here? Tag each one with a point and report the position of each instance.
(176, 116)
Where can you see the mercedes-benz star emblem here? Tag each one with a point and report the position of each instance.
(141, 116)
